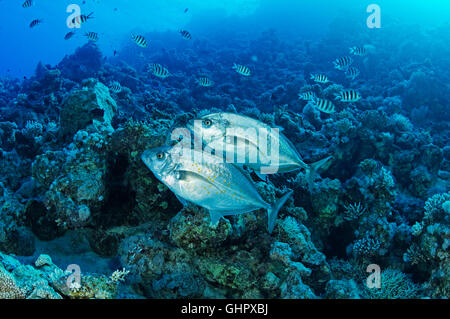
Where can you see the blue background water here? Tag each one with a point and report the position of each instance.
(22, 48)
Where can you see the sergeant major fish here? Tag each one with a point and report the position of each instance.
(343, 63)
(307, 96)
(27, 4)
(79, 20)
(352, 73)
(242, 69)
(205, 82)
(69, 35)
(115, 87)
(35, 22)
(92, 36)
(159, 71)
(221, 188)
(348, 96)
(358, 51)
(319, 78)
(139, 40)
(222, 130)
(185, 34)
(324, 106)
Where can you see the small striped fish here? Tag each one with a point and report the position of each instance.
(159, 71)
(307, 96)
(139, 40)
(115, 87)
(324, 106)
(352, 73)
(358, 51)
(185, 34)
(69, 35)
(35, 23)
(319, 78)
(27, 4)
(348, 96)
(79, 20)
(205, 82)
(242, 69)
(343, 63)
(92, 36)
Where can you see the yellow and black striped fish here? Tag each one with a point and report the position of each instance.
(27, 4)
(159, 71)
(358, 51)
(139, 40)
(92, 36)
(185, 34)
(319, 78)
(348, 96)
(307, 96)
(115, 87)
(343, 63)
(35, 22)
(324, 106)
(242, 69)
(352, 73)
(205, 82)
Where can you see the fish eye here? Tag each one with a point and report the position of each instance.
(160, 156)
(207, 123)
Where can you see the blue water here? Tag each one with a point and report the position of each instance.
(23, 48)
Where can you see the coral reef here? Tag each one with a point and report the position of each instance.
(70, 167)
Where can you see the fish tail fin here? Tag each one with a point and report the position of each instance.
(311, 171)
(90, 15)
(312, 76)
(272, 212)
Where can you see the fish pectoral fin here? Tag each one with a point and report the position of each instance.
(215, 217)
(261, 176)
(182, 200)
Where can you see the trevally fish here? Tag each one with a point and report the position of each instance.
(207, 181)
(242, 135)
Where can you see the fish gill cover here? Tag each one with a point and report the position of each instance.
(224, 149)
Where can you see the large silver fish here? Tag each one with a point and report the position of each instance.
(219, 129)
(207, 181)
